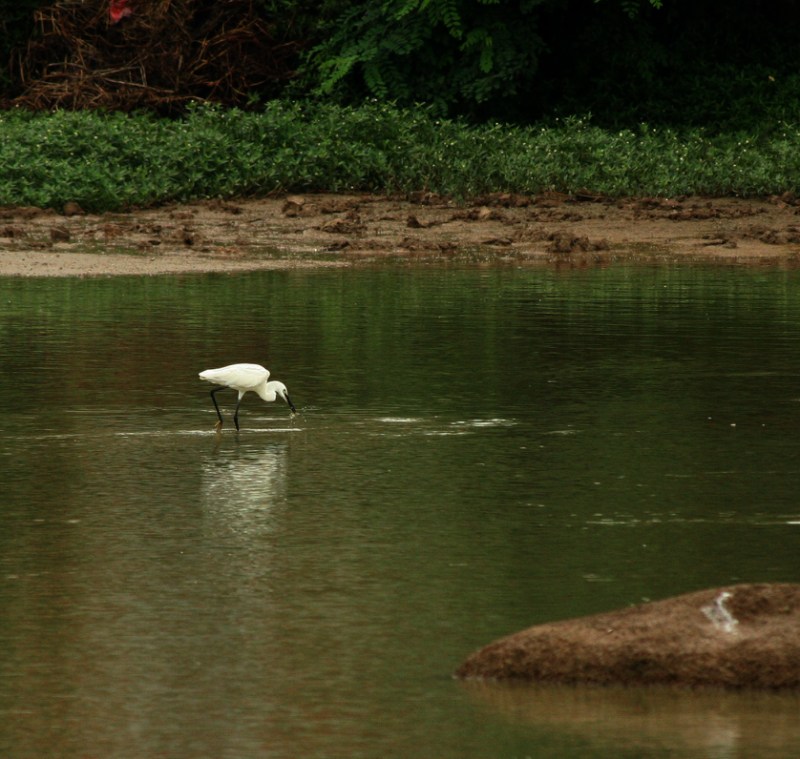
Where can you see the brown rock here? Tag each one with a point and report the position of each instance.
(71, 208)
(741, 636)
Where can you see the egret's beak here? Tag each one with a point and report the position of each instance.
(291, 405)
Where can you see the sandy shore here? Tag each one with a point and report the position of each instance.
(337, 230)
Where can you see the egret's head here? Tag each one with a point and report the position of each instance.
(282, 392)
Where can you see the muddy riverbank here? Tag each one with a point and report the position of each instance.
(350, 230)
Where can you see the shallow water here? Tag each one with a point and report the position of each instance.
(476, 452)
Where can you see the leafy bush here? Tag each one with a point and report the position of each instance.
(450, 54)
(107, 161)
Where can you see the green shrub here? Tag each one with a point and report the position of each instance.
(107, 161)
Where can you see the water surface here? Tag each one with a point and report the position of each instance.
(476, 452)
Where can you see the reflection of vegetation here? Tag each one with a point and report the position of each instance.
(477, 321)
(110, 161)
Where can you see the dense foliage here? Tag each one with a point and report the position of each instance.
(690, 63)
(111, 161)
(447, 53)
(682, 63)
(678, 62)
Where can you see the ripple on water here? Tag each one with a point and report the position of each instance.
(438, 428)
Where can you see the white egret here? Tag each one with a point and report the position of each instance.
(243, 378)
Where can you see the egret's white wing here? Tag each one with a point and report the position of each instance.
(249, 375)
(237, 375)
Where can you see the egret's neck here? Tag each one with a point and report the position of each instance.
(265, 392)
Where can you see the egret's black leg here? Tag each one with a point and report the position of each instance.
(236, 413)
(216, 390)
